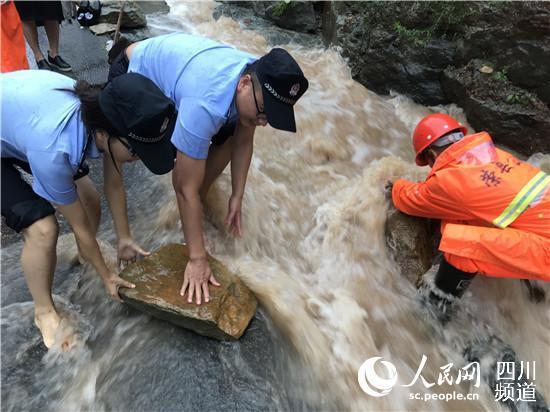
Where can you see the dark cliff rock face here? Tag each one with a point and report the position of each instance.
(513, 116)
(514, 36)
(425, 49)
(384, 54)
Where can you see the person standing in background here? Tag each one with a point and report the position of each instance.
(48, 14)
(12, 44)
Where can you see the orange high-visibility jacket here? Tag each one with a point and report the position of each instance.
(12, 43)
(495, 209)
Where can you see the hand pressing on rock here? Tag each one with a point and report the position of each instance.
(113, 282)
(388, 187)
(196, 277)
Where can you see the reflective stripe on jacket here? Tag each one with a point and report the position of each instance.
(474, 183)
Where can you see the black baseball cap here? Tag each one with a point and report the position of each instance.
(283, 83)
(141, 113)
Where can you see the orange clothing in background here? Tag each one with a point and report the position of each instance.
(495, 209)
(12, 43)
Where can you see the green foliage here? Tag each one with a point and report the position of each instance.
(521, 98)
(418, 37)
(445, 18)
(499, 4)
(449, 15)
(501, 75)
(279, 8)
(366, 20)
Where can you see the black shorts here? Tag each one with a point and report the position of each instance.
(226, 131)
(21, 206)
(39, 11)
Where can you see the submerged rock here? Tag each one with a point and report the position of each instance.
(300, 16)
(412, 241)
(158, 279)
(296, 15)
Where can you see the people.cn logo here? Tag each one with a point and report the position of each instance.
(371, 383)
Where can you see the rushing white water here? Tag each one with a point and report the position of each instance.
(313, 251)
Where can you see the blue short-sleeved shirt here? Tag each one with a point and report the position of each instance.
(42, 126)
(200, 76)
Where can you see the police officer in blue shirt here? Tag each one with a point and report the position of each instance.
(50, 125)
(222, 94)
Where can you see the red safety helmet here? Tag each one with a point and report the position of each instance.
(431, 128)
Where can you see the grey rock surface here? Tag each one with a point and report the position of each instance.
(412, 242)
(133, 16)
(296, 15)
(513, 116)
(300, 16)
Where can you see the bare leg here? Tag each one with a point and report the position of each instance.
(31, 35)
(89, 197)
(52, 31)
(38, 260)
(218, 159)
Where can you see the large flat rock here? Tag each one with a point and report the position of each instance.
(158, 279)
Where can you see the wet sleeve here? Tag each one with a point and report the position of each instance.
(427, 199)
(53, 177)
(195, 127)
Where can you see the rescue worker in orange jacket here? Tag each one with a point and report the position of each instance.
(12, 44)
(494, 208)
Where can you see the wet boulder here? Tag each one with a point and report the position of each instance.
(413, 243)
(295, 15)
(158, 279)
(133, 16)
(300, 16)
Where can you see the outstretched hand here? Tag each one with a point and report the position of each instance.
(233, 219)
(388, 187)
(128, 251)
